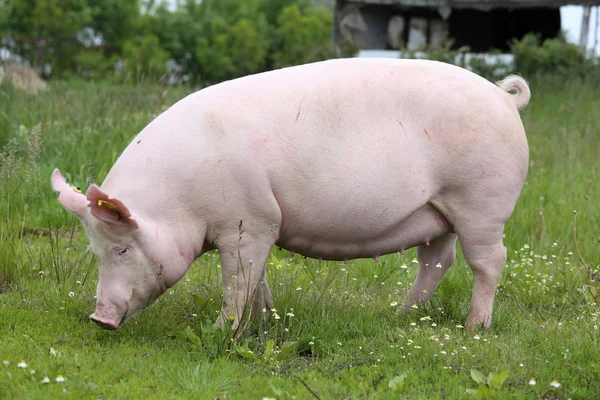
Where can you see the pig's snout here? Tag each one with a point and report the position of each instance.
(105, 323)
(106, 319)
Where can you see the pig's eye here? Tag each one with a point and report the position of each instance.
(122, 252)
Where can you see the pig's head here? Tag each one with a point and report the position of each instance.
(133, 270)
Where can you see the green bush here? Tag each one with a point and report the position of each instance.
(303, 37)
(551, 57)
(143, 57)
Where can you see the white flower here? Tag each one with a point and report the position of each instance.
(46, 380)
(6, 362)
(339, 343)
(311, 342)
(532, 382)
(59, 378)
(298, 288)
(276, 316)
(459, 326)
(290, 314)
(52, 352)
(71, 294)
(477, 337)
(438, 265)
(414, 306)
(403, 266)
(194, 315)
(434, 324)
(394, 303)
(22, 364)
(415, 261)
(555, 383)
(413, 324)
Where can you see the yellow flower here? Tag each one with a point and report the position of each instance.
(231, 318)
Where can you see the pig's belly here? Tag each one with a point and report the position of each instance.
(323, 237)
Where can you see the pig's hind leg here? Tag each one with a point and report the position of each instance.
(486, 255)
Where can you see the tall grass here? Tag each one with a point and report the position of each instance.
(338, 335)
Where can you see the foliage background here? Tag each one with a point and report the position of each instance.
(206, 41)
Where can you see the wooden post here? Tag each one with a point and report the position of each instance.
(596, 30)
(585, 28)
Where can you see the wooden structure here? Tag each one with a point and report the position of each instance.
(482, 25)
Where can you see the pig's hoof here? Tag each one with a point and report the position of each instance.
(473, 324)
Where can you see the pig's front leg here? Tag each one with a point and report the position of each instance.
(262, 299)
(245, 290)
(434, 261)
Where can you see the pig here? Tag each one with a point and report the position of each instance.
(334, 160)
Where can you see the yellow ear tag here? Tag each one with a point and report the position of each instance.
(108, 204)
(76, 189)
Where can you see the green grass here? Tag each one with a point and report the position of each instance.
(345, 338)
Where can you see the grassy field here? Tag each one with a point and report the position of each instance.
(338, 335)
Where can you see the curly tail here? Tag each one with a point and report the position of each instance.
(518, 84)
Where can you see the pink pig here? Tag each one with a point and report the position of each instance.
(334, 160)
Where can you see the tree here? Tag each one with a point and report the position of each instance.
(44, 32)
(303, 37)
(144, 58)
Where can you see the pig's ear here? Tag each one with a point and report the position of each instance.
(112, 211)
(69, 196)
